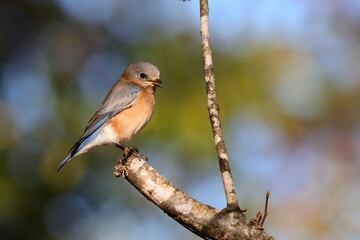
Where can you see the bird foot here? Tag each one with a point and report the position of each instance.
(132, 150)
(141, 156)
(121, 170)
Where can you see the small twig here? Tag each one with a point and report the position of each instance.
(257, 218)
(213, 107)
(266, 207)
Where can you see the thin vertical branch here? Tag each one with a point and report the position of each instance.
(213, 107)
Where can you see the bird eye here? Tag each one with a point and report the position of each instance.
(142, 75)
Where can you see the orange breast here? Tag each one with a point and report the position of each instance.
(130, 121)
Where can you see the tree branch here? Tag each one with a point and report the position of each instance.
(205, 221)
(213, 107)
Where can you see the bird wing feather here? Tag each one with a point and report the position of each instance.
(114, 103)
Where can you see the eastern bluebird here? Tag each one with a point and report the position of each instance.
(126, 109)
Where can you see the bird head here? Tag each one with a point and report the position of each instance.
(144, 75)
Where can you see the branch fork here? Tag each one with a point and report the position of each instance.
(204, 220)
(213, 108)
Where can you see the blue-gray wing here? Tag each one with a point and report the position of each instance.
(118, 99)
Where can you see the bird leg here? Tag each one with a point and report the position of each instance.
(128, 151)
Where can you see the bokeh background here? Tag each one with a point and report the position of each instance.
(288, 82)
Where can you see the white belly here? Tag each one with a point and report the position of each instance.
(106, 136)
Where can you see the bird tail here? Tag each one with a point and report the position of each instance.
(74, 151)
(80, 147)
(65, 161)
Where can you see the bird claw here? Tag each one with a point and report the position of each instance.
(121, 170)
(132, 150)
(125, 156)
(142, 157)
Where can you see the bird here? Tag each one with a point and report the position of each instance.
(125, 110)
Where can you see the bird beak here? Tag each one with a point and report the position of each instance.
(156, 82)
